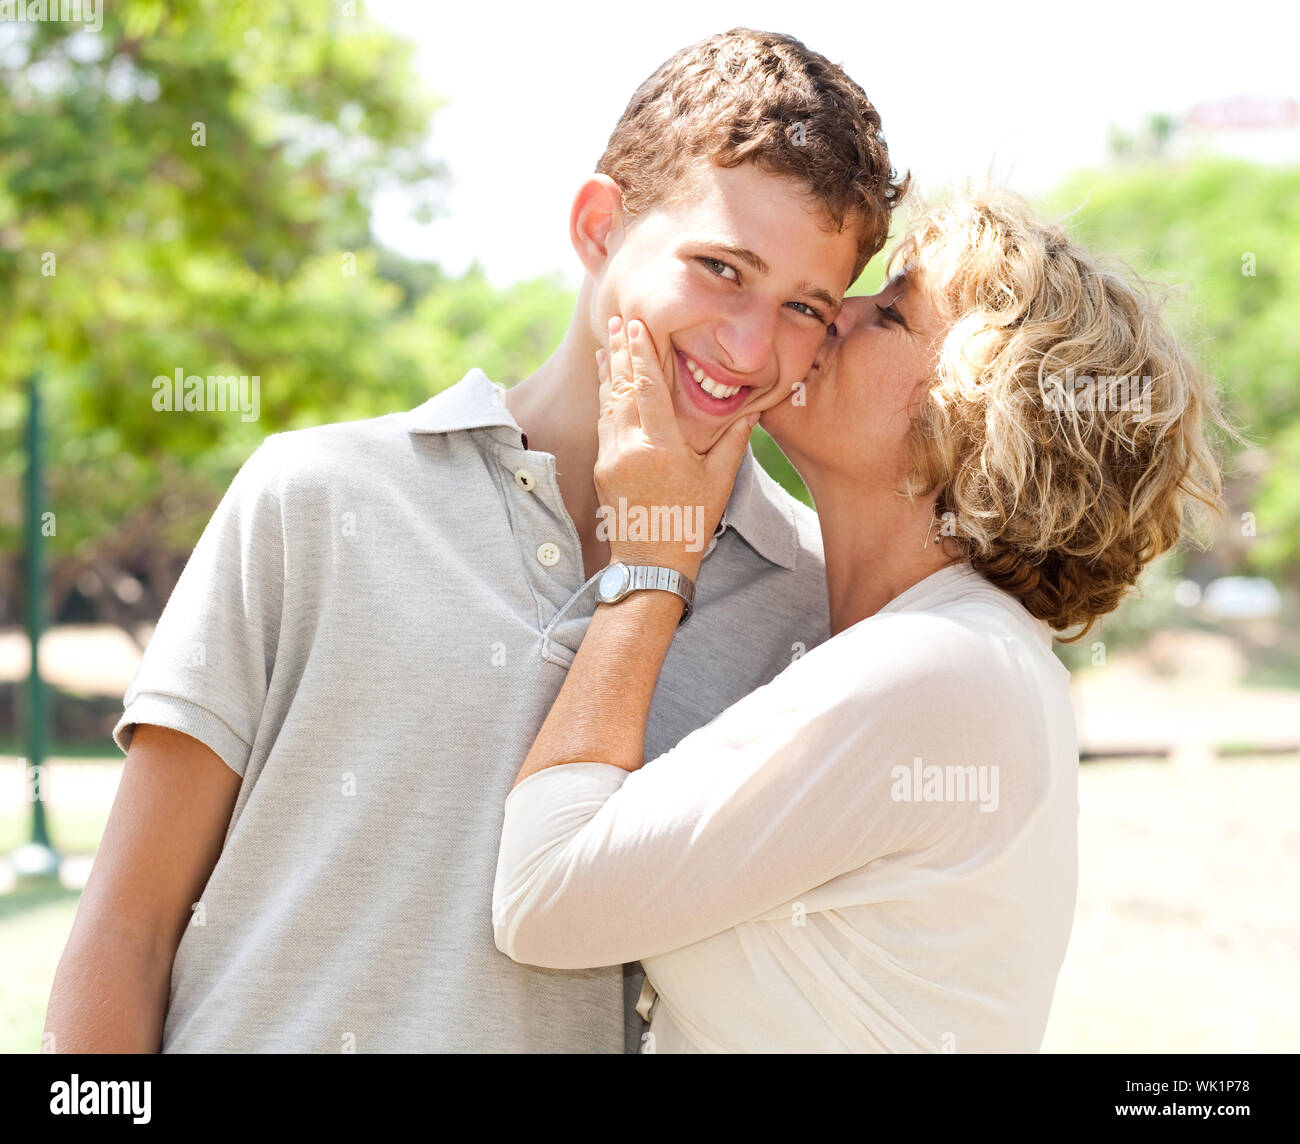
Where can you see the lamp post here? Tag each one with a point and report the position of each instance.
(37, 860)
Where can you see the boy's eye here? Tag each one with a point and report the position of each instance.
(727, 271)
(721, 269)
(811, 311)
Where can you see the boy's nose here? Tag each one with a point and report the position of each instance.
(747, 341)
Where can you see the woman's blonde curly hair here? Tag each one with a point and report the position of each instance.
(1065, 428)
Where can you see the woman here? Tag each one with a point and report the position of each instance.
(877, 850)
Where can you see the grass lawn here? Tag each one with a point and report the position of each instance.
(34, 928)
(75, 830)
(35, 923)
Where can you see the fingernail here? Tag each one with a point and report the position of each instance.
(634, 328)
(600, 357)
(615, 324)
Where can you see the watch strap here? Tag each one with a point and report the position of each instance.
(652, 577)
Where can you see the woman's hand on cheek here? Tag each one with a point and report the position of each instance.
(660, 500)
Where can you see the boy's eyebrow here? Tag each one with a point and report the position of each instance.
(823, 296)
(747, 256)
(743, 253)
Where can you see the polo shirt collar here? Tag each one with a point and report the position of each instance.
(763, 513)
(759, 509)
(474, 402)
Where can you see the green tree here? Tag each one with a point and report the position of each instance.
(189, 189)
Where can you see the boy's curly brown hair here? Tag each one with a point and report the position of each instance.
(746, 96)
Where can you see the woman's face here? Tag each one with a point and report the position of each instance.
(864, 389)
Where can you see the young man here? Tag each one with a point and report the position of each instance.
(375, 622)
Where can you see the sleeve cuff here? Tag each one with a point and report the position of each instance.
(189, 718)
(597, 780)
(542, 815)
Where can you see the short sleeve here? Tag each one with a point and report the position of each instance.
(207, 667)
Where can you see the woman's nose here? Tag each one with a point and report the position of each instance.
(851, 314)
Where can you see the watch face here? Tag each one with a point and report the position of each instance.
(612, 581)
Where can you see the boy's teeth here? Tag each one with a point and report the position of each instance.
(711, 387)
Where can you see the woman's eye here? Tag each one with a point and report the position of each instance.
(891, 315)
(720, 268)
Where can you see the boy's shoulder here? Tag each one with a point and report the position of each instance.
(327, 445)
(342, 454)
(378, 453)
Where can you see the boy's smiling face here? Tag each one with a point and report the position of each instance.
(737, 279)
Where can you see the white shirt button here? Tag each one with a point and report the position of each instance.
(548, 554)
(525, 480)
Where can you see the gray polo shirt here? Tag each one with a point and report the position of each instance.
(370, 631)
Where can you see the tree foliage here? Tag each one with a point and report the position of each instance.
(189, 188)
(1224, 236)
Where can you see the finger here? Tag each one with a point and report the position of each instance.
(654, 401)
(605, 418)
(625, 413)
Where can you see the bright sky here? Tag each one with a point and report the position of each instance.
(1026, 91)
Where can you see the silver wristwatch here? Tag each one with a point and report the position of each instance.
(620, 580)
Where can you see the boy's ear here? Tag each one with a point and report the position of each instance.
(596, 221)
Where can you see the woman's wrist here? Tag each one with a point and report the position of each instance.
(675, 557)
(652, 610)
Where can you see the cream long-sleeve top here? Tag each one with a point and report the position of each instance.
(875, 852)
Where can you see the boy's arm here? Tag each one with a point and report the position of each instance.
(162, 840)
(191, 715)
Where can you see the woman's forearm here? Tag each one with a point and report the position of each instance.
(601, 711)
